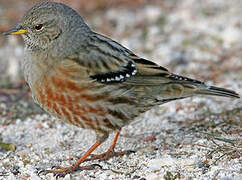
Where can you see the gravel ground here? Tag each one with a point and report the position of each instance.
(194, 138)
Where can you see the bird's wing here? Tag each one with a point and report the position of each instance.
(149, 73)
(106, 61)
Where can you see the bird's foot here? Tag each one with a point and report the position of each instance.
(107, 155)
(59, 171)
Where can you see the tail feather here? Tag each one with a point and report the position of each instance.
(203, 89)
(216, 91)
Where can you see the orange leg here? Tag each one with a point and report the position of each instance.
(110, 153)
(62, 171)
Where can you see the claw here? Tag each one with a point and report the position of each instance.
(96, 165)
(59, 175)
(62, 172)
(107, 155)
(90, 167)
(42, 171)
(130, 151)
(57, 167)
(53, 167)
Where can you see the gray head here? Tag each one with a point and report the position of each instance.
(48, 23)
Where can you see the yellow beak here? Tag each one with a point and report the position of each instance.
(16, 30)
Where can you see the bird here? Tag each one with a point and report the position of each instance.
(91, 81)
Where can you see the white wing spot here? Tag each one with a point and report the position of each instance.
(134, 72)
(117, 78)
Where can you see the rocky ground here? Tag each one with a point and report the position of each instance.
(195, 138)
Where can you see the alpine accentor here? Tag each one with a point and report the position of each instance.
(91, 81)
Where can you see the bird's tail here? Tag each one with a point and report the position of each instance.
(216, 91)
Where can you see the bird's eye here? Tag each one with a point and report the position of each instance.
(38, 27)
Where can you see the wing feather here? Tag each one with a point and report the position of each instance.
(106, 61)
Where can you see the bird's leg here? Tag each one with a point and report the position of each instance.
(110, 153)
(62, 171)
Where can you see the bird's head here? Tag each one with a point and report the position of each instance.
(46, 22)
